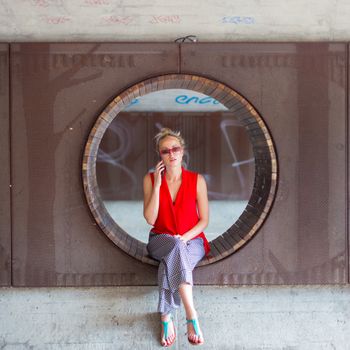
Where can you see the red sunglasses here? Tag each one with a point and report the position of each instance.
(175, 149)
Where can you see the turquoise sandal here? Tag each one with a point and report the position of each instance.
(196, 329)
(165, 336)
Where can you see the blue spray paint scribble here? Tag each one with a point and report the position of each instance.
(135, 101)
(185, 100)
(238, 20)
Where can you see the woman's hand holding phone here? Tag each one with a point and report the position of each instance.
(158, 174)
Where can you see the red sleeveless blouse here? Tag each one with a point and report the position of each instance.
(182, 215)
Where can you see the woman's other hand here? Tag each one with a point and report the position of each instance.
(182, 238)
(158, 174)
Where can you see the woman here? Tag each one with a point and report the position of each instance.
(176, 205)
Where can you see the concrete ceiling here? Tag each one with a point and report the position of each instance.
(209, 20)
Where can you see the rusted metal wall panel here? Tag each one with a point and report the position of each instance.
(5, 201)
(58, 91)
(300, 91)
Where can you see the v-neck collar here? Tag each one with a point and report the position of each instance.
(178, 192)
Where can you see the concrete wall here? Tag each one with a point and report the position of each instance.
(142, 20)
(269, 318)
(313, 317)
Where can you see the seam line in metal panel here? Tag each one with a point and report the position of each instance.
(10, 156)
(347, 162)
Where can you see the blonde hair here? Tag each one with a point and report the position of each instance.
(164, 132)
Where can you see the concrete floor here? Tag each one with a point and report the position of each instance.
(275, 317)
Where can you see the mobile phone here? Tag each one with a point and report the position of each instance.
(162, 171)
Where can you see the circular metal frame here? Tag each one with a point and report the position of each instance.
(265, 182)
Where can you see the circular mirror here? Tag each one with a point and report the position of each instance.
(227, 142)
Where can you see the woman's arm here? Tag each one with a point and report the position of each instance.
(150, 200)
(203, 210)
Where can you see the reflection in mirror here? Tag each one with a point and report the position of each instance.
(218, 147)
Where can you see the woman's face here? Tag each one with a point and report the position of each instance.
(171, 151)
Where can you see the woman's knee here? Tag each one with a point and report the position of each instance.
(168, 245)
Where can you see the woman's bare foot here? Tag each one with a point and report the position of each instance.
(194, 333)
(169, 340)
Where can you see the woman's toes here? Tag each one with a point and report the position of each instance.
(171, 339)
